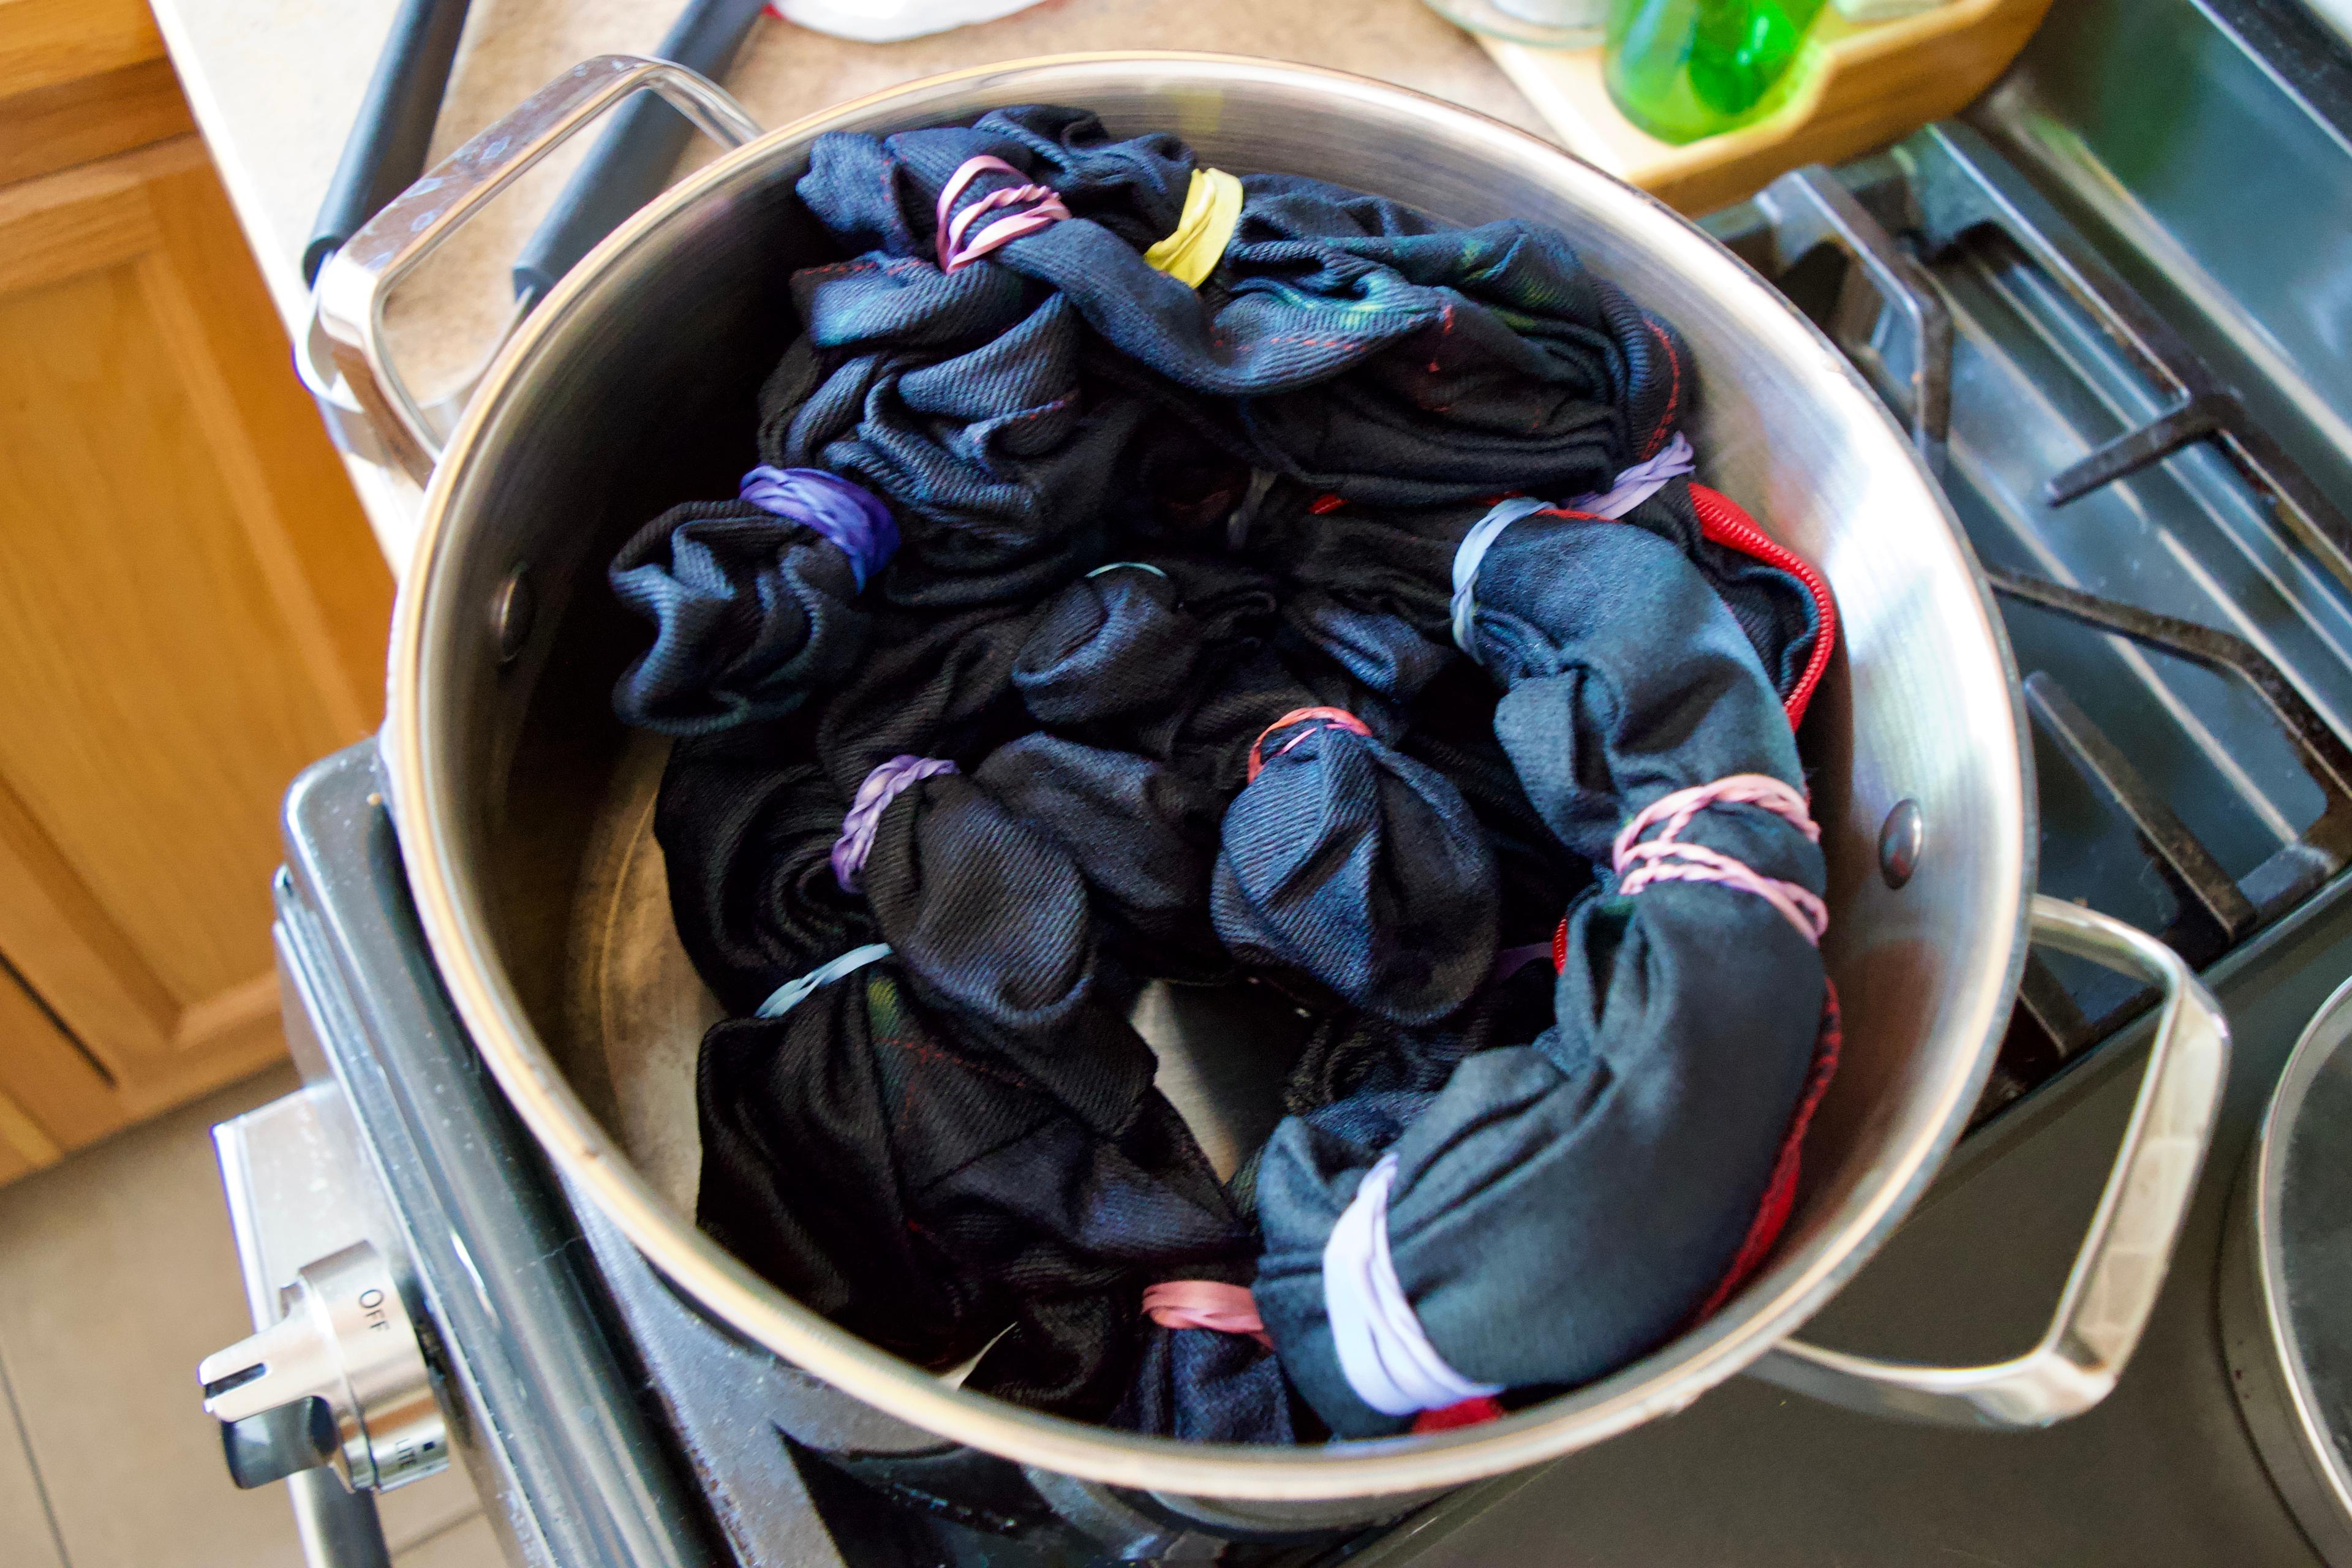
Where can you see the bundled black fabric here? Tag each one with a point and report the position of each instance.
(1452, 731)
(1354, 344)
(1365, 569)
(1555, 1209)
(1352, 863)
(894, 1168)
(1370, 1065)
(934, 685)
(1118, 642)
(959, 399)
(752, 613)
(1142, 834)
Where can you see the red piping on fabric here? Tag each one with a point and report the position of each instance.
(1721, 520)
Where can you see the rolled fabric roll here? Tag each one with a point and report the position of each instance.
(1358, 562)
(1560, 1207)
(1349, 862)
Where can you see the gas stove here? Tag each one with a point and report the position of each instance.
(2109, 305)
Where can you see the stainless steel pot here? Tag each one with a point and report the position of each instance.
(609, 402)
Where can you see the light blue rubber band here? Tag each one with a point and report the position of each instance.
(1139, 565)
(1470, 552)
(793, 992)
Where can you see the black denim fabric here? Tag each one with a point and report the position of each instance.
(1362, 563)
(1352, 863)
(1351, 343)
(1564, 1206)
(1113, 643)
(1142, 834)
(960, 400)
(896, 1163)
(1452, 731)
(1773, 607)
(752, 613)
(935, 685)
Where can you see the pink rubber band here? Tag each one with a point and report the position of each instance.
(1206, 1304)
(1666, 859)
(953, 252)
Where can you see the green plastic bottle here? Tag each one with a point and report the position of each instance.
(1682, 69)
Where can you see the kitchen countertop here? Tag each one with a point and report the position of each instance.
(274, 84)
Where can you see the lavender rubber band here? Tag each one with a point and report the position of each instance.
(1634, 486)
(863, 818)
(1639, 482)
(1383, 1351)
(793, 992)
(851, 516)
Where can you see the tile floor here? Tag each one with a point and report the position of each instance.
(117, 1275)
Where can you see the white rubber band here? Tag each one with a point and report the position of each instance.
(793, 992)
(1384, 1352)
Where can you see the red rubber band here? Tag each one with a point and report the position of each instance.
(1333, 718)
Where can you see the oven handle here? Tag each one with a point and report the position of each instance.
(2121, 1267)
(354, 285)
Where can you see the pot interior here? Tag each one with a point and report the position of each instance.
(529, 804)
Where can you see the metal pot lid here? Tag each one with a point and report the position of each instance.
(2286, 1287)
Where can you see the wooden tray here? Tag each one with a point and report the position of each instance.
(1861, 85)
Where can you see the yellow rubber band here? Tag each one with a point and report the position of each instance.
(1213, 205)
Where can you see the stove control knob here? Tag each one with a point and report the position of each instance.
(339, 1380)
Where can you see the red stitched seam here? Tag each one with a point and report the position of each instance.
(933, 1054)
(1673, 389)
(1780, 1191)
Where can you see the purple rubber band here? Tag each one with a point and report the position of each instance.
(863, 818)
(851, 516)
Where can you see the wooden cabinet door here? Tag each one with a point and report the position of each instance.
(191, 609)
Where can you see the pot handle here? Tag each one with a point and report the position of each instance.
(354, 286)
(2121, 1267)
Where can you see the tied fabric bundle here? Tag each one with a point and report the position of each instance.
(885, 1163)
(1371, 574)
(1558, 1208)
(1350, 862)
(1343, 340)
(960, 400)
(752, 600)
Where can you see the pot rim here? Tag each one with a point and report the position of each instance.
(1767, 1310)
